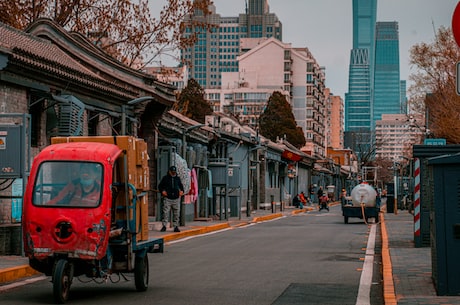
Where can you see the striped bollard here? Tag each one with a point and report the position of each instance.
(417, 201)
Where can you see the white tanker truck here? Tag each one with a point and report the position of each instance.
(361, 204)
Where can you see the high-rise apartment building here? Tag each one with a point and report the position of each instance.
(387, 84)
(269, 65)
(395, 136)
(334, 119)
(216, 51)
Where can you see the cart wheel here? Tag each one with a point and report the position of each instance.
(345, 219)
(62, 279)
(141, 272)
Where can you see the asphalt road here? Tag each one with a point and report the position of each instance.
(311, 258)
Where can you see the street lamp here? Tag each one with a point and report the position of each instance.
(425, 131)
(184, 155)
(123, 110)
(184, 138)
(396, 168)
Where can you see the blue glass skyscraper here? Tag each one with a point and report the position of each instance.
(358, 100)
(387, 86)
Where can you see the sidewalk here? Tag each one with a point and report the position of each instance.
(406, 270)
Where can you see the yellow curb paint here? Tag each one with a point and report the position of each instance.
(295, 212)
(388, 282)
(197, 231)
(14, 273)
(267, 217)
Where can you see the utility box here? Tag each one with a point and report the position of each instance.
(445, 223)
(391, 198)
(426, 206)
(10, 151)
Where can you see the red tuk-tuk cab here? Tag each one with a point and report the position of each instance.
(84, 216)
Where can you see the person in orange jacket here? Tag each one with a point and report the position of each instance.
(303, 201)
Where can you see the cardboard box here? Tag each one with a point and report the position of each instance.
(141, 153)
(142, 218)
(143, 179)
(138, 175)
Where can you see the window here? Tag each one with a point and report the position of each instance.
(68, 184)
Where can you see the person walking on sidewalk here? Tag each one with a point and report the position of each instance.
(311, 193)
(319, 193)
(171, 189)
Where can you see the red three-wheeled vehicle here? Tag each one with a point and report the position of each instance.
(85, 212)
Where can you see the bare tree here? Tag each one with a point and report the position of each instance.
(124, 29)
(434, 90)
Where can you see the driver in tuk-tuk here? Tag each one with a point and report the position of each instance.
(83, 191)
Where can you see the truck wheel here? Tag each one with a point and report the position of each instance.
(345, 219)
(62, 279)
(141, 272)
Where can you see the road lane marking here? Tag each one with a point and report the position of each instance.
(364, 292)
(22, 283)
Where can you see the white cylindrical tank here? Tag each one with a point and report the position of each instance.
(363, 193)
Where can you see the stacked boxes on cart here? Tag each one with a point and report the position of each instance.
(137, 169)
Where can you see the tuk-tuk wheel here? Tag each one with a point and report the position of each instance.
(62, 279)
(141, 272)
(345, 219)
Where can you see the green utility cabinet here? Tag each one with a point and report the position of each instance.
(445, 224)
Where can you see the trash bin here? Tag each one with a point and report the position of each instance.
(390, 204)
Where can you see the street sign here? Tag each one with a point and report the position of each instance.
(456, 23)
(435, 141)
(457, 80)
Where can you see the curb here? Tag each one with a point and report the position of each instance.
(389, 294)
(14, 273)
(267, 217)
(197, 231)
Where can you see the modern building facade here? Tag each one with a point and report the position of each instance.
(334, 120)
(374, 87)
(269, 66)
(387, 86)
(395, 136)
(358, 100)
(216, 52)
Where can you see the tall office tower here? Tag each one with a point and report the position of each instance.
(216, 51)
(259, 22)
(358, 100)
(387, 84)
(404, 102)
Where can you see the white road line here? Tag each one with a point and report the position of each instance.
(22, 283)
(364, 292)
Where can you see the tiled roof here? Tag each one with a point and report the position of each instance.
(29, 52)
(24, 45)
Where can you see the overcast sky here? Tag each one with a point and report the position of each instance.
(325, 27)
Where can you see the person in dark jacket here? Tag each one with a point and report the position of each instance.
(319, 193)
(171, 189)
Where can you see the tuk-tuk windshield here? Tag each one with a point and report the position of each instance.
(68, 184)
